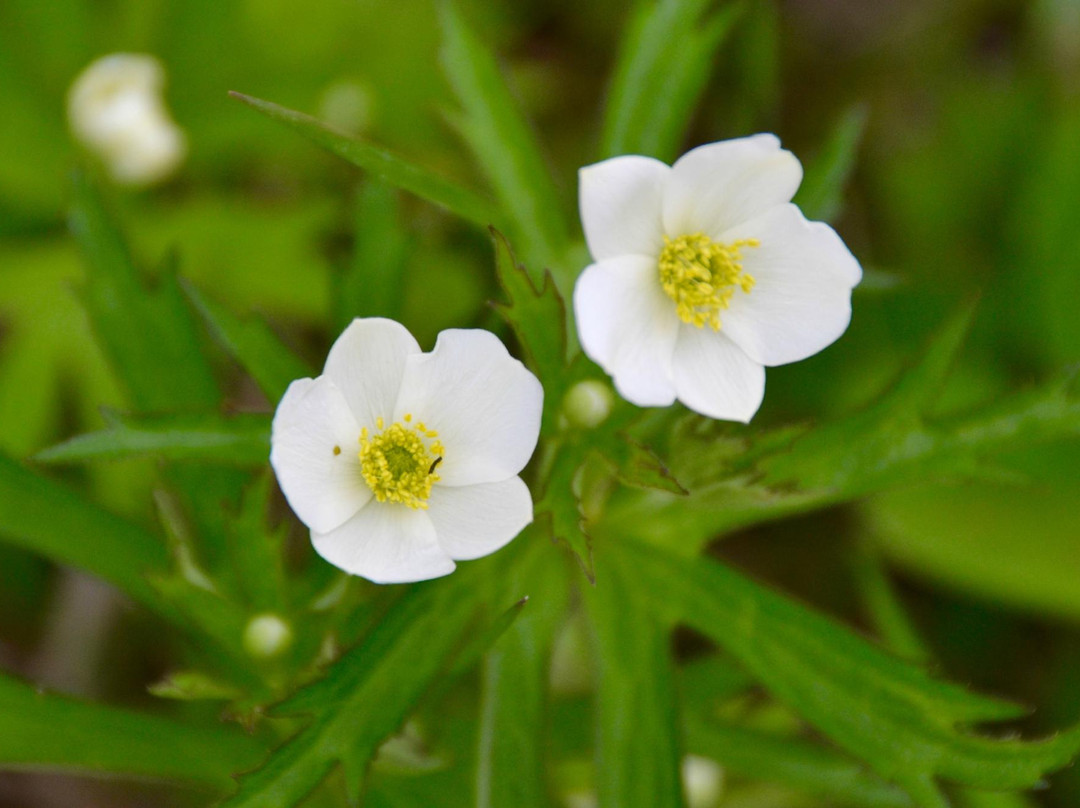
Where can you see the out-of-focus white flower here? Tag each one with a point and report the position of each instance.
(401, 461)
(704, 274)
(116, 110)
(703, 781)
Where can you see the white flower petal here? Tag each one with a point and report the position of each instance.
(322, 486)
(714, 377)
(620, 202)
(386, 543)
(476, 520)
(628, 326)
(367, 362)
(801, 301)
(717, 186)
(484, 404)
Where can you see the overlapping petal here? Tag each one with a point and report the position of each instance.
(719, 185)
(621, 201)
(715, 377)
(475, 520)
(628, 326)
(801, 301)
(386, 543)
(323, 486)
(484, 404)
(367, 362)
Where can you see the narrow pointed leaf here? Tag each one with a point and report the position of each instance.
(367, 694)
(53, 521)
(512, 729)
(821, 193)
(252, 344)
(239, 440)
(911, 729)
(504, 145)
(383, 164)
(637, 752)
(50, 732)
(149, 336)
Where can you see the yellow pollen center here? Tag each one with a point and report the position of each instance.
(399, 463)
(701, 275)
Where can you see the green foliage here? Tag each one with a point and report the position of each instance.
(637, 751)
(47, 518)
(239, 440)
(366, 695)
(820, 195)
(49, 732)
(252, 344)
(909, 728)
(383, 164)
(504, 147)
(662, 70)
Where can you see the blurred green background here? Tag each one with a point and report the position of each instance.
(966, 184)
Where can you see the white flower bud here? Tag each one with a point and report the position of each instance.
(703, 781)
(116, 110)
(588, 403)
(266, 636)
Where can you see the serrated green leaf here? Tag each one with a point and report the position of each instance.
(740, 480)
(49, 732)
(366, 694)
(252, 344)
(661, 71)
(559, 509)
(49, 519)
(638, 466)
(637, 752)
(383, 164)
(513, 700)
(537, 314)
(799, 764)
(257, 551)
(239, 440)
(908, 727)
(504, 147)
(821, 192)
(149, 336)
(373, 283)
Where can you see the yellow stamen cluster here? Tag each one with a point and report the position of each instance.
(399, 463)
(701, 275)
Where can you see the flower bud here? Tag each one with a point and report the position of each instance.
(266, 636)
(587, 404)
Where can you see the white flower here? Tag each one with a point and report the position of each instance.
(116, 110)
(704, 274)
(401, 461)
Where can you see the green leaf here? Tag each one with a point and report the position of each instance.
(383, 164)
(738, 480)
(257, 551)
(149, 336)
(637, 466)
(657, 125)
(504, 146)
(537, 314)
(513, 700)
(49, 519)
(49, 732)
(193, 686)
(662, 69)
(637, 753)
(367, 694)
(559, 509)
(252, 344)
(799, 764)
(242, 440)
(373, 283)
(821, 194)
(908, 727)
